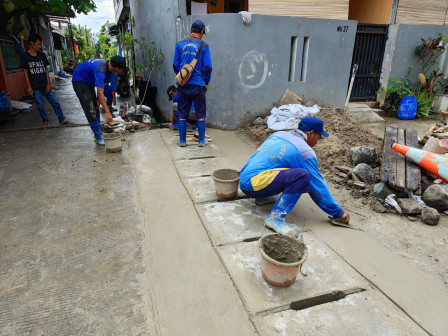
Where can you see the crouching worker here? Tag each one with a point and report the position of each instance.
(172, 95)
(286, 164)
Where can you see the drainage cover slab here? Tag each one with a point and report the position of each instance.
(326, 272)
(365, 313)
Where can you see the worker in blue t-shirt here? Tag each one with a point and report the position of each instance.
(110, 91)
(172, 95)
(93, 74)
(286, 164)
(197, 85)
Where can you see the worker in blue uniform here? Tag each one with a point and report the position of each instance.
(93, 74)
(286, 164)
(197, 85)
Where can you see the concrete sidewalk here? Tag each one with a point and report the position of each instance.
(387, 290)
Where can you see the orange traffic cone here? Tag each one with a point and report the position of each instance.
(436, 164)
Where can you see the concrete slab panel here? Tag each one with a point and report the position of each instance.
(231, 222)
(192, 150)
(366, 313)
(202, 189)
(199, 167)
(326, 272)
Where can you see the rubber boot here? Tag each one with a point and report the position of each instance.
(182, 124)
(96, 128)
(267, 200)
(201, 130)
(276, 219)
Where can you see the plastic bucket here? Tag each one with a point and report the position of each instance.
(407, 109)
(277, 273)
(226, 182)
(113, 142)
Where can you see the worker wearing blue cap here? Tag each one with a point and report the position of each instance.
(197, 85)
(286, 164)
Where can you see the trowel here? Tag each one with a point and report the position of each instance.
(337, 222)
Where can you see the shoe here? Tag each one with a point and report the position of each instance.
(45, 124)
(182, 125)
(100, 141)
(277, 223)
(276, 219)
(65, 122)
(201, 130)
(267, 200)
(173, 126)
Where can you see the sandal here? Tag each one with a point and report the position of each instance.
(65, 122)
(45, 124)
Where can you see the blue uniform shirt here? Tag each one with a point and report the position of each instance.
(284, 150)
(93, 72)
(112, 84)
(185, 51)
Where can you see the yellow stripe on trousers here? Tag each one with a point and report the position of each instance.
(265, 178)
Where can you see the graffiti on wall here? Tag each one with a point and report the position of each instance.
(253, 70)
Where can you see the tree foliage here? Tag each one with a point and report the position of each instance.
(55, 6)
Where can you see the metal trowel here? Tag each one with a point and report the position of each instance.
(337, 222)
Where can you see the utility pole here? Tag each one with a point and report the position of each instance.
(72, 45)
(87, 37)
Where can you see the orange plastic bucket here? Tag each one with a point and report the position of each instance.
(276, 273)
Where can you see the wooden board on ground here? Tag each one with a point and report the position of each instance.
(396, 170)
(413, 173)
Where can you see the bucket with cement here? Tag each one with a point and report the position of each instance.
(226, 182)
(113, 142)
(282, 258)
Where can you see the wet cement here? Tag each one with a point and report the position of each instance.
(283, 248)
(226, 174)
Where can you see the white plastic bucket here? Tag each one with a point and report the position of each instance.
(113, 142)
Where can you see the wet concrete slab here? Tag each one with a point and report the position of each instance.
(191, 151)
(235, 221)
(202, 189)
(365, 313)
(199, 167)
(326, 272)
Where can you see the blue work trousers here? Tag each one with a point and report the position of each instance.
(191, 93)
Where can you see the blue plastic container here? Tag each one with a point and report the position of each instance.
(4, 107)
(408, 108)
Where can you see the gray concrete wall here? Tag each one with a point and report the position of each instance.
(399, 54)
(157, 21)
(251, 63)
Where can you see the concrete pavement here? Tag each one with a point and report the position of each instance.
(137, 243)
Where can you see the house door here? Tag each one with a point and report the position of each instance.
(368, 53)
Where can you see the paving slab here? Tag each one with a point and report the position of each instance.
(192, 150)
(235, 221)
(200, 167)
(363, 115)
(365, 313)
(326, 272)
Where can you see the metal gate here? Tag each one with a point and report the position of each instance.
(368, 53)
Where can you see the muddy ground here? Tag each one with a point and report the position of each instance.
(423, 245)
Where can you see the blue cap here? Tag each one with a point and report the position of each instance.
(198, 24)
(312, 124)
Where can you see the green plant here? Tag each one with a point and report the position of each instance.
(429, 51)
(397, 89)
(425, 100)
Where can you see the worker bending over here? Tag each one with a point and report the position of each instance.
(286, 163)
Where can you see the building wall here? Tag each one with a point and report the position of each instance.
(336, 9)
(13, 83)
(370, 11)
(157, 21)
(251, 64)
(399, 54)
(428, 12)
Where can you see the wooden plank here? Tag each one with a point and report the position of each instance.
(400, 177)
(413, 173)
(389, 164)
(326, 9)
(418, 12)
